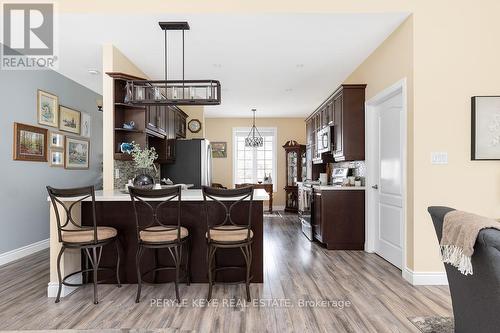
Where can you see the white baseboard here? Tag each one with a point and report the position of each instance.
(425, 278)
(23, 251)
(53, 287)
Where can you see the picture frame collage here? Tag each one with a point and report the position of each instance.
(38, 144)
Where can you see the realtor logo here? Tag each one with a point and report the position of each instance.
(28, 36)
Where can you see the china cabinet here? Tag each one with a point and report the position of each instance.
(294, 156)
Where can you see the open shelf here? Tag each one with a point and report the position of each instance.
(123, 157)
(120, 129)
(130, 106)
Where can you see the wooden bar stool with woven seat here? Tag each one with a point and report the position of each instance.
(74, 236)
(154, 233)
(226, 233)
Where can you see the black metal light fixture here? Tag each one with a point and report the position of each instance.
(254, 139)
(173, 92)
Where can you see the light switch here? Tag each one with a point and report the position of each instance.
(439, 158)
(117, 173)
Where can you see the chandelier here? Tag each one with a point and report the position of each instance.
(173, 92)
(254, 139)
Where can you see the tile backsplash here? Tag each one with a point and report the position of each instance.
(128, 171)
(359, 167)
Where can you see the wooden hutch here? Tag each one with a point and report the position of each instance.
(295, 156)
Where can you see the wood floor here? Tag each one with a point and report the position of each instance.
(296, 271)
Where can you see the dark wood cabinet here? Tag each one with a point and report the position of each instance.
(338, 218)
(151, 118)
(294, 154)
(171, 133)
(349, 123)
(180, 124)
(165, 148)
(344, 111)
(157, 119)
(337, 127)
(155, 125)
(161, 123)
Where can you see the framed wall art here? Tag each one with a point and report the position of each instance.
(219, 149)
(30, 143)
(86, 125)
(485, 131)
(47, 106)
(56, 140)
(56, 158)
(69, 120)
(77, 153)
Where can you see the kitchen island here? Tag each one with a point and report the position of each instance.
(114, 209)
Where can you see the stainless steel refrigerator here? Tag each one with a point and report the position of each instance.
(193, 163)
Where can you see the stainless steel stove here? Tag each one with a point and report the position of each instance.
(305, 196)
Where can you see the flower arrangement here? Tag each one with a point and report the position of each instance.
(143, 158)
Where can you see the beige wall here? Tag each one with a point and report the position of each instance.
(112, 61)
(221, 129)
(195, 112)
(454, 57)
(389, 63)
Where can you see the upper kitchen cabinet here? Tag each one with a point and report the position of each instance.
(349, 123)
(180, 123)
(344, 113)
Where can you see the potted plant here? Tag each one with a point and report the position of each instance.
(144, 163)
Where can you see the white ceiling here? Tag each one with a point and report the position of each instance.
(285, 65)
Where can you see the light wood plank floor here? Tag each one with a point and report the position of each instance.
(295, 270)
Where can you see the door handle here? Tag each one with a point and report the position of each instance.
(375, 187)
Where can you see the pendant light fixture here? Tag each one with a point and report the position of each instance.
(254, 139)
(173, 92)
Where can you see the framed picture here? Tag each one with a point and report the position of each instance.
(56, 158)
(47, 106)
(56, 140)
(485, 131)
(69, 120)
(30, 143)
(77, 153)
(219, 149)
(85, 127)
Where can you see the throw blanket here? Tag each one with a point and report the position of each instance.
(460, 230)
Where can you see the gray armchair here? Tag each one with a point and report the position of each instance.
(475, 298)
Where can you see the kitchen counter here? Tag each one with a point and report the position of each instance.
(114, 209)
(186, 195)
(338, 188)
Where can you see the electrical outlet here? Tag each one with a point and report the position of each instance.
(439, 158)
(117, 173)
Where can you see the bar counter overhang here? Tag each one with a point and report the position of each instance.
(114, 209)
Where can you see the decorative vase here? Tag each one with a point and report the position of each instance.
(144, 180)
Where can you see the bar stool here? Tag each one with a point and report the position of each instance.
(74, 236)
(158, 235)
(228, 234)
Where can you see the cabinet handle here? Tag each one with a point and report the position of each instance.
(375, 187)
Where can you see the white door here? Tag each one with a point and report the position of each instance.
(388, 183)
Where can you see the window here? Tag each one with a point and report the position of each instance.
(251, 165)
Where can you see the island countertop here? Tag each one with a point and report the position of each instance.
(187, 195)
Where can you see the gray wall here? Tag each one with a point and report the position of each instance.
(24, 210)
